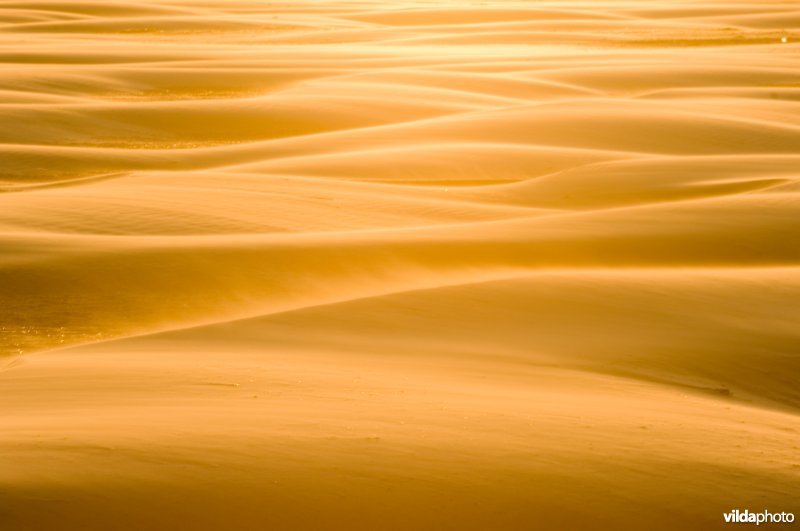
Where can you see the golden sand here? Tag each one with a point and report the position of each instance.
(394, 265)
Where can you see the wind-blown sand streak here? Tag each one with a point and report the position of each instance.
(398, 265)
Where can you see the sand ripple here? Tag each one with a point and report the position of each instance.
(398, 265)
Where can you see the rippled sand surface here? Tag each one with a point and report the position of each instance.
(389, 265)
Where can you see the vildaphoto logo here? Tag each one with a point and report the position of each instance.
(746, 517)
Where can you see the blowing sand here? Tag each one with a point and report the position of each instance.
(394, 265)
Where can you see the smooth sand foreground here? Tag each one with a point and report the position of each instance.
(389, 265)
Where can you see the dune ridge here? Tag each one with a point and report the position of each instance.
(398, 265)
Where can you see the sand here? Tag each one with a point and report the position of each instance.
(394, 265)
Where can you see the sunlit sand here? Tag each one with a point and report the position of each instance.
(389, 265)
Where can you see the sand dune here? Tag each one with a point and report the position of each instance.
(398, 265)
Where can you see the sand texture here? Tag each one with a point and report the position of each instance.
(388, 265)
